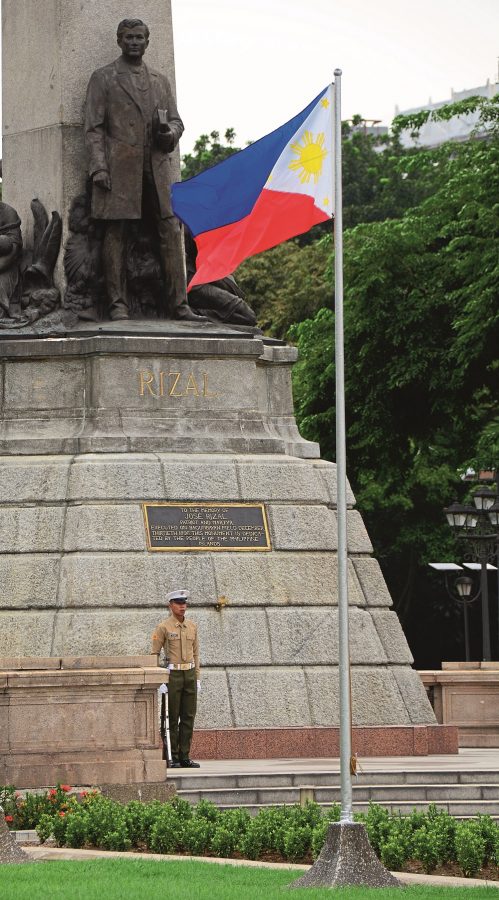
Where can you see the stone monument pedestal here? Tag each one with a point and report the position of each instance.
(80, 721)
(94, 427)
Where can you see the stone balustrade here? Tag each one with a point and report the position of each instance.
(466, 695)
(80, 720)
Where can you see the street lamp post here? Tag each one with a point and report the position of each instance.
(464, 585)
(461, 592)
(473, 525)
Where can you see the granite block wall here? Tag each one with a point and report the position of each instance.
(76, 578)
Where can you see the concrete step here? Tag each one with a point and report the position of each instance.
(201, 781)
(461, 792)
(327, 794)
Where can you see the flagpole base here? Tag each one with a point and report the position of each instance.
(347, 858)
(10, 851)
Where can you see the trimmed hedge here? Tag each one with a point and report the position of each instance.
(291, 833)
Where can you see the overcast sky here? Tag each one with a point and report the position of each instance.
(253, 65)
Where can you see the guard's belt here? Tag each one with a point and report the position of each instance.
(181, 667)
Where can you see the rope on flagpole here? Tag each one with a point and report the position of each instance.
(341, 480)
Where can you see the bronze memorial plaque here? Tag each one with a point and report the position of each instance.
(206, 526)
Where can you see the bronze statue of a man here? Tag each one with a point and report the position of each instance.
(131, 127)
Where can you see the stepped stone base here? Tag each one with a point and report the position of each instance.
(90, 429)
(316, 743)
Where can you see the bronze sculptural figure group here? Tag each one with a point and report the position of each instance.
(124, 257)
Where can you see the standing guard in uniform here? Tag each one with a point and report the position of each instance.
(179, 639)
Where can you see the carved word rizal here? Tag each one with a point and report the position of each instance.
(174, 384)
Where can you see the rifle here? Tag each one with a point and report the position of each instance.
(165, 726)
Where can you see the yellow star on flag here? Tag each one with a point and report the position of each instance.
(325, 102)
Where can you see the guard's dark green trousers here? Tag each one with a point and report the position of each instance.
(182, 697)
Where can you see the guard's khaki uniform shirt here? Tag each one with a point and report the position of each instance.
(180, 640)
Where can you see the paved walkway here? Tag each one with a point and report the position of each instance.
(476, 759)
(51, 853)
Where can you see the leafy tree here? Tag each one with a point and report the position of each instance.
(288, 283)
(208, 151)
(421, 338)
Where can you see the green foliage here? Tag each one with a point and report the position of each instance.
(224, 840)
(44, 827)
(425, 847)
(495, 858)
(236, 820)
(297, 842)
(59, 826)
(393, 854)
(377, 821)
(413, 122)
(288, 283)
(8, 803)
(76, 833)
(444, 828)
(196, 835)
(24, 812)
(208, 151)
(31, 808)
(140, 817)
(207, 810)
(166, 832)
(490, 834)
(319, 837)
(255, 839)
(421, 334)
(470, 847)
(433, 837)
(183, 808)
(228, 830)
(308, 815)
(395, 850)
(292, 832)
(106, 823)
(379, 178)
(135, 817)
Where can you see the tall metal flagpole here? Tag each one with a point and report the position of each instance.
(341, 477)
(347, 857)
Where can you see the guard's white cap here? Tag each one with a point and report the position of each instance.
(178, 595)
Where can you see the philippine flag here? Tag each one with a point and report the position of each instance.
(276, 188)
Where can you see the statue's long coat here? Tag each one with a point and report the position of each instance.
(114, 137)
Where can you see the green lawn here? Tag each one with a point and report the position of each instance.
(118, 879)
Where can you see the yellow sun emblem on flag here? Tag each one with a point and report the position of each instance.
(311, 155)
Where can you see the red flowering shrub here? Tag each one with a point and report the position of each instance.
(25, 812)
